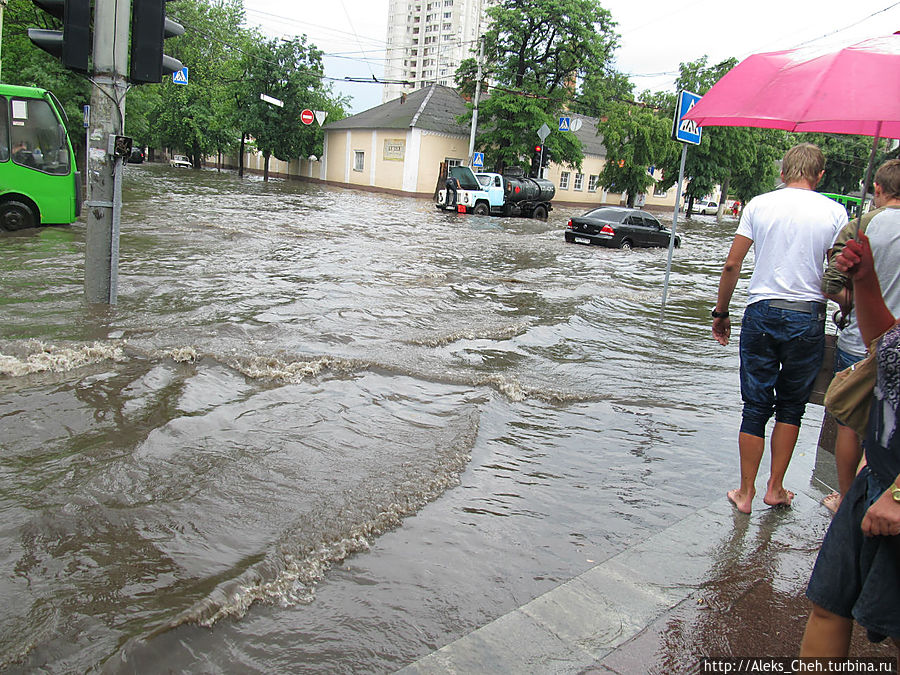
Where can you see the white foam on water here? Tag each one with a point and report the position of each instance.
(60, 359)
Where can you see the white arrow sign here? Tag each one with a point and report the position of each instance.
(272, 100)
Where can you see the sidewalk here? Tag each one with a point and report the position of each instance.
(717, 583)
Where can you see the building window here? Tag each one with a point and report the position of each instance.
(453, 162)
(359, 160)
(564, 180)
(579, 182)
(658, 191)
(592, 183)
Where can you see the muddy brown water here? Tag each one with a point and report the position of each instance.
(331, 431)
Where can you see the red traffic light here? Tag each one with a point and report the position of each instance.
(538, 148)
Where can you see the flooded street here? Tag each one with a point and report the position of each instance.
(332, 431)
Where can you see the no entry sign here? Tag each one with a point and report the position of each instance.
(307, 116)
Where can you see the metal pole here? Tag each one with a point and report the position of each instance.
(868, 180)
(111, 33)
(477, 96)
(674, 225)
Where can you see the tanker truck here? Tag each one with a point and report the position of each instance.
(508, 194)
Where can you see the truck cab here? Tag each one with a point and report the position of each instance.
(492, 183)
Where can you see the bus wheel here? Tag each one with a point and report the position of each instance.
(15, 216)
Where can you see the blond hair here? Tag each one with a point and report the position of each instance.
(802, 162)
(888, 177)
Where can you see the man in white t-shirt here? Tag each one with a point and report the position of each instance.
(783, 328)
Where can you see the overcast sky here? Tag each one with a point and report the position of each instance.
(656, 35)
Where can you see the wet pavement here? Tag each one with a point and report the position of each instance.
(716, 583)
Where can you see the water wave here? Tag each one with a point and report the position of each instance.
(43, 357)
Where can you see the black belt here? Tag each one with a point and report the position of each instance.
(805, 306)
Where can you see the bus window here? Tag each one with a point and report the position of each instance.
(4, 131)
(38, 139)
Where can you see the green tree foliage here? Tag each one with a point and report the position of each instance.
(741, 159)
(536, 51)
(290, 71)
(846, 160)
(199, 117)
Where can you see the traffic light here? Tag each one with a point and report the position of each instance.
(548, 156)
(536, 160)
(72, 44)
(149, 29)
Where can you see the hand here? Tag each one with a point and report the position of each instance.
(721, 329)
(882, 518)
(855, 259)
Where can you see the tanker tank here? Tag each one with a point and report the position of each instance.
(522, 188)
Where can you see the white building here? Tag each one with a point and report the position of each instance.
(428, 39)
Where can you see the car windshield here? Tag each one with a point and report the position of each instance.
(606, 213)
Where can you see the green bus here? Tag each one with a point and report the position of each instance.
(849, 202)
(39, 184)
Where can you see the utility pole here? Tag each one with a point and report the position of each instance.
(477, 96)
(3, 4)
(111, 31)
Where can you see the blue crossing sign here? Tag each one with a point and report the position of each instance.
(180, 76)
(686, 131)
(478, 159)
(564, 123)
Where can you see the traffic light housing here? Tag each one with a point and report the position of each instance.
(547, 157)
(72, 44)
(149, 29)
(536, 160)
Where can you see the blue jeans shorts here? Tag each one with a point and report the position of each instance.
(843, 360)
(858, 577)
(781, 353)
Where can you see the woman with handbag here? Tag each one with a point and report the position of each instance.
(857, 572)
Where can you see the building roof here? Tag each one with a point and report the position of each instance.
(436, 108)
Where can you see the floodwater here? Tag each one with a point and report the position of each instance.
(332, 431)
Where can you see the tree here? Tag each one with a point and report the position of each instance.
(536, 52)
(726, 155)
(292, 72)
(199, 117)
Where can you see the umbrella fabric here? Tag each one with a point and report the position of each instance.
(849, 91)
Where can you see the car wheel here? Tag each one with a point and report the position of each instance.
(15, 215)
(626, 244)
(677, 242)
(539, 213)
(481, 209)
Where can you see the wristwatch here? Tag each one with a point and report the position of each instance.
(719, 315)
(895, 492)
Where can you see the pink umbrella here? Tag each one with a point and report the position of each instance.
(855, 90)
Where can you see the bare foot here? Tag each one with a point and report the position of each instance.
(742, 503)
(781, 498)
(832, 501)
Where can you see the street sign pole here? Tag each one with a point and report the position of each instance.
(686, 132)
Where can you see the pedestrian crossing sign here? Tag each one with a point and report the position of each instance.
(564, 123)
(180, 76)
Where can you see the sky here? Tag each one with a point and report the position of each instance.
(656, 35)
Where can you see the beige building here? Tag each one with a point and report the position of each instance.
(399, 147)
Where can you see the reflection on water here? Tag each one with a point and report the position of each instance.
(333, 428)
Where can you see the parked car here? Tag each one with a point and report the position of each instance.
(136, 156)
(180, 160)
(618, 227)
(704, 207)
